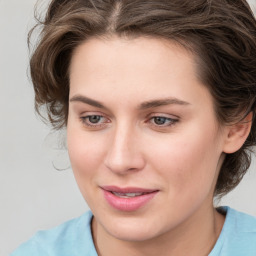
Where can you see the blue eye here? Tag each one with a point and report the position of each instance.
(94, 120)
(162, 121)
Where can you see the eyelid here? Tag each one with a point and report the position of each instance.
(172, 120)
(156, 114)
(159, 114)
(85, 115)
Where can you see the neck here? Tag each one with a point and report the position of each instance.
(196, 236)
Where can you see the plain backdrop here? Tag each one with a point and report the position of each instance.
(33, 194)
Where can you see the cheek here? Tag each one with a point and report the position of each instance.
(85, 155)
(188, 163)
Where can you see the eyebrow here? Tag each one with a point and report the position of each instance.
(86, 100)
(162, 102)
(143, 106)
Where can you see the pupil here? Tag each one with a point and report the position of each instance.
(94, 119)
(160, 120)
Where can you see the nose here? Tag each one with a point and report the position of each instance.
(124, 154)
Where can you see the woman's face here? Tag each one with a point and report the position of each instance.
(143, 139)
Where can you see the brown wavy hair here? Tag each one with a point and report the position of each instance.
(220, 33)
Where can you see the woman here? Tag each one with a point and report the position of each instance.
(158, 99)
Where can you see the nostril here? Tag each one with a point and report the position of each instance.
(124, 165)
(123, 154)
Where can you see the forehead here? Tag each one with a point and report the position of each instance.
(147, 51)
(131, 57)
(137, 69)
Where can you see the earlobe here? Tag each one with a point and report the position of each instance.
(237, 134)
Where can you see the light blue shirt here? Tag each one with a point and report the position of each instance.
(238, 235)
(74, 238)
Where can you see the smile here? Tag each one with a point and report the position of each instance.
(127, 195)
(128, 199)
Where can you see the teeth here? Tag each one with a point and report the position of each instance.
(127, 195)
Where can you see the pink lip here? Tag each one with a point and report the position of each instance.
(128, 204)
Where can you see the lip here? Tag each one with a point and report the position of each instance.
(128, 204)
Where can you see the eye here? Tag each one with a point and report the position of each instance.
(162, 121)
(94, 120)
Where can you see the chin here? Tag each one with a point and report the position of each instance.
(132, 235)
(131, 229)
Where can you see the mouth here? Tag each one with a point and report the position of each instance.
(128, 195)
(128, 199)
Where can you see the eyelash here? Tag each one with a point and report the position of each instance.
(85, 119)
(170, 121)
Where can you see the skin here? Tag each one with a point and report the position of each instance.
(126, 147)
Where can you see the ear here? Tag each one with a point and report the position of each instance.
(236, 134)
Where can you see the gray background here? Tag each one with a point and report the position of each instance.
(33, 195)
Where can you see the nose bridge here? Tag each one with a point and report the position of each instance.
(123, 153)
